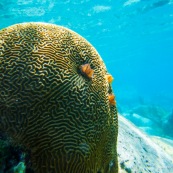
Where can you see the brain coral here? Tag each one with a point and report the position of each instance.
(49, 105)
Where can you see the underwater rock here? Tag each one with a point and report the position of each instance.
(152, 112)
(55, 99)
(168, 125)
(137, 152)
(139, 120)
(150, 118)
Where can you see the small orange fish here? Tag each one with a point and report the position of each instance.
(86, 70)
(111, 98)
(109, 78)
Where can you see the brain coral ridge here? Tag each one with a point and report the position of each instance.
(52, 108)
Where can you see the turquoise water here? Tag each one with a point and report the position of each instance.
(135, 40)
(133, 37)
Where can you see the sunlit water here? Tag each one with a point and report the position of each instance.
(134, 38)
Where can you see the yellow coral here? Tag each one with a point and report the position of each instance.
(63, 119)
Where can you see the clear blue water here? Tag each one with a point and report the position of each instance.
(133, 37)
